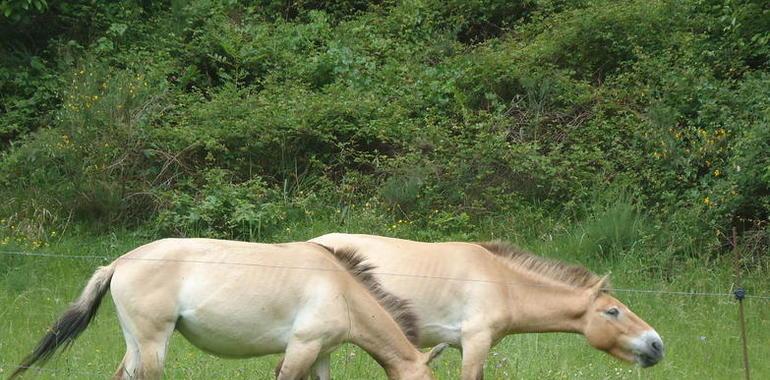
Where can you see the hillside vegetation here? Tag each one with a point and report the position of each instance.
(642, 122)
(630, 136)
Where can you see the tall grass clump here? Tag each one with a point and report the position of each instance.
(612, 226)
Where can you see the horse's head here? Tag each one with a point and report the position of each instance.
(611, 327)
(419, 369)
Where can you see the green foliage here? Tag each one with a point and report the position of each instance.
(16, 9)
(88, 164)
(39, 50)
(221, 208)
(290, 10)
(600, 39)
(219, 118)
(29, 86)
(479, 20)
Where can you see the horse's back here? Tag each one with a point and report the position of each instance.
(446, 259)
(182, 265)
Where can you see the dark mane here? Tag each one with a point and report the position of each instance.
(572, 275)
(398, 308)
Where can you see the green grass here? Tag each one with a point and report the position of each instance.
(701, 333)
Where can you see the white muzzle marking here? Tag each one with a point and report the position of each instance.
(648, 348)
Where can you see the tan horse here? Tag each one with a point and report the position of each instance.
(237, 299)
(473, 295)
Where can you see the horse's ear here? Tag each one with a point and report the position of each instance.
(601, 286)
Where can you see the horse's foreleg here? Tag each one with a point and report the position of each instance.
(475, 350)
(298, 359)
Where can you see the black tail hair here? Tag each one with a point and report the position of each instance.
(73, 322)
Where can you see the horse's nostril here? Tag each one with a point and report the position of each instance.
(657, 346)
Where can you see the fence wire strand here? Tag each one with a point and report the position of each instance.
(378, 273)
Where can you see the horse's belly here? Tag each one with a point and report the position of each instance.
(440, 318)
(231, 337)
(432, 334)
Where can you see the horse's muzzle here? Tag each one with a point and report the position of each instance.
(648, 349)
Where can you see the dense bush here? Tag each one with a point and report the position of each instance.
(234, 119)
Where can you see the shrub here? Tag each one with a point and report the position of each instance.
(220, 208)
(219, 118)
(89, 162)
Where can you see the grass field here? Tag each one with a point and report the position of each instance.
(701, 333)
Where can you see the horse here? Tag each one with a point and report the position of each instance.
(471, 295)
(237, 299)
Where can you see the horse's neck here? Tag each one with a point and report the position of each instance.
(544, 305)
(374, 330)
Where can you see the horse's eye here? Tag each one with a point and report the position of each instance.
(613, 311)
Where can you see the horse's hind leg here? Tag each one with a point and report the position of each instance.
(128, 368)
(298, 359)
(145, 361)
(152, 356)
(122, 373)
(146, 342)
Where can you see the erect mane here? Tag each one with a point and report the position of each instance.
(572, 275)
(398, 308)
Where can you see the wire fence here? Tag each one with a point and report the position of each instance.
(761, 296)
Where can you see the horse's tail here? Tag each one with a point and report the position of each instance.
(73, 322)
